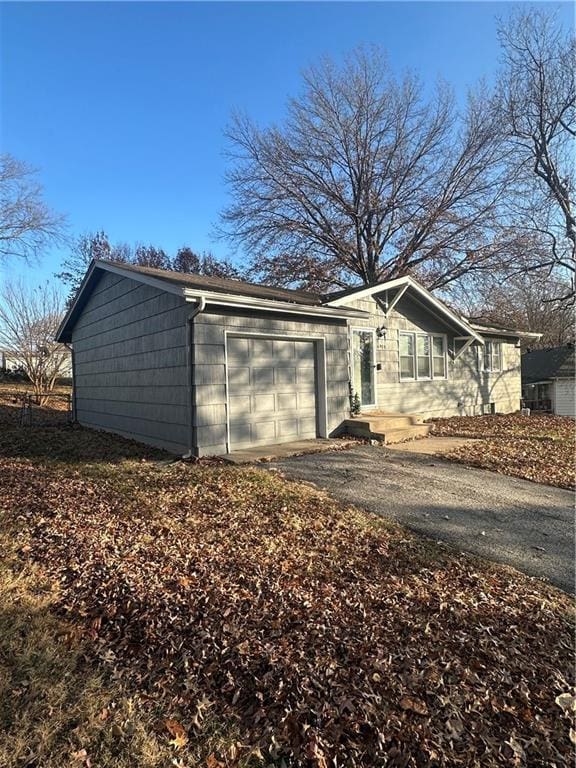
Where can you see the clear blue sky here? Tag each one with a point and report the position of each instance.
(122, 106)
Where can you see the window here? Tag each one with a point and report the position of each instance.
(406, 355)
(492, 356)
(438, 357)
(422, 356)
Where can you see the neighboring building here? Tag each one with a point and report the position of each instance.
(201, 365)
(11, 361)
(548, 380)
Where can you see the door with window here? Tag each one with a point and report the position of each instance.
(363, 365)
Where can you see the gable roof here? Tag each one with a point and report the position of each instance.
(545, 364)
(214, 290)
(421, 294)
(224, 285)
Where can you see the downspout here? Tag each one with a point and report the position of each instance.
(191, 364)
(71, 348)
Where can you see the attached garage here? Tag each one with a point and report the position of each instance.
(272, 390)
(203, 366)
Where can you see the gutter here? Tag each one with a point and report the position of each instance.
(237, 301)
(191, 364)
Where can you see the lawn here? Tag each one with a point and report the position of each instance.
(539, 448)
(158, 613)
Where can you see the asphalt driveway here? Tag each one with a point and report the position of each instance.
(508, 520)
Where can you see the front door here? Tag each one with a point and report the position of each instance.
(363, 366)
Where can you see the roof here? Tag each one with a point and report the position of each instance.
(212, 290)
(224, 285)
(545, 364)
(400, 285)
(241, 294)
(498, 330)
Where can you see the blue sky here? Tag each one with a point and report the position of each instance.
(122, 106)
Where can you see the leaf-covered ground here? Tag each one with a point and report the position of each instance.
(245, 620)
(538, 448)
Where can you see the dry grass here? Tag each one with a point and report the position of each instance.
(132, 590)
(541, 448)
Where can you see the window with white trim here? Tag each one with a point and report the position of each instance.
(492, 359)
(422, 356)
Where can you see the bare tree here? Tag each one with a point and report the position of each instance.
(27, 225)
(536, 98)
(94, 245)
(368, 180)
(29, 319)
(527, 301)
(150, 256)
(205, 263)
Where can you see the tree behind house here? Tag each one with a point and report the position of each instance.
(536, 101)
(367, 179)
(29, 319)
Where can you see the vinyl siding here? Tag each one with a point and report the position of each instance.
(130, 363)
(465, 388)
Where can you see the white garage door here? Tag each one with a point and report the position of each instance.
(271, 391)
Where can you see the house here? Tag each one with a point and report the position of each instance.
(12, 361)
(548, 380)
(203, 366)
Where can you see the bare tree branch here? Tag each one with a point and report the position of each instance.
(29, 319)
(27, 225)
(366, 180)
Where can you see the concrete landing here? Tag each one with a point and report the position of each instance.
(432, 446)
(266, 453)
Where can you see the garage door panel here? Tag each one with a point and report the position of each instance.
(305, 352)
(308, 424)
(284, 376)
(262, 377)
(238, 376)
(239, 405)
(263, 402)
(240, 433)
(306, 376)
(288, 427)
(284, 350)
(287, 401)
(238, 349)
(264, 430)
(262, 347)
(271, 390)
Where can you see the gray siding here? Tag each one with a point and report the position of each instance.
(210, 365)
(130, 363)
(465, 388)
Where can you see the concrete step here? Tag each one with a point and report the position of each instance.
(386, 429)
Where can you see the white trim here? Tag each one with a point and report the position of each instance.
(395, 300)
(489, 331)
(409, 283)
(270, 305)
(431, 336)
(468, 341)
(368, 291)
(141, 277)
(483, 352)
(321, 389)
(365, 329)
